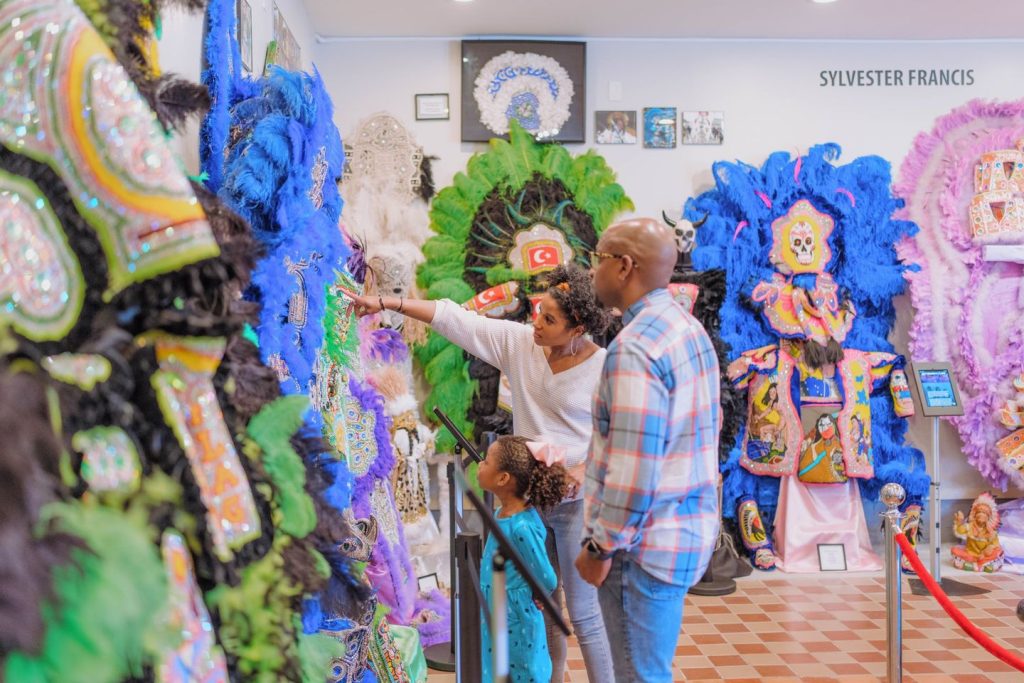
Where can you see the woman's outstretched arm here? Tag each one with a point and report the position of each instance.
(496, 342)
(417, 309)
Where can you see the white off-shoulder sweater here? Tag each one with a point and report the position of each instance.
(549, 407)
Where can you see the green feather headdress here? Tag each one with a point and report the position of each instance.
(515, 184)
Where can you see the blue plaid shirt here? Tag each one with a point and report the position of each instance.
(652, 477)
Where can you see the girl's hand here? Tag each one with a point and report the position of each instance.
(366, 305)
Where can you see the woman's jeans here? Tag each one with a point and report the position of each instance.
(565, 523)
(643, 616)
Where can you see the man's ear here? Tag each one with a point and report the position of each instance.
(626, 266)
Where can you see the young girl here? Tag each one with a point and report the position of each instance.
(525, 476)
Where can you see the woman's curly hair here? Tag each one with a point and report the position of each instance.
(571, 288)
(541, 486)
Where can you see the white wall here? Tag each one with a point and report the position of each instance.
(181, 50)
(769, 92)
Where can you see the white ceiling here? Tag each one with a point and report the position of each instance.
(771, 19)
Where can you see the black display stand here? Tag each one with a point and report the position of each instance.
(712, 583)
(443, 656)
(950, 587)
(716, 581)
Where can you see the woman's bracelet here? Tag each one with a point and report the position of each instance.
(401, 305)
(380, 300)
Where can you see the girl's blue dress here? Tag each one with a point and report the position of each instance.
(528, 658)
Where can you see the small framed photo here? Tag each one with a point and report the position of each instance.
(703, 128)
(615, 127)
(428, 583)
(289, 54)
(832, 557)
(432, 107)
(660, 127)
(245, 33)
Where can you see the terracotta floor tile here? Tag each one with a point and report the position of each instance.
(920, 668)
(780, 628)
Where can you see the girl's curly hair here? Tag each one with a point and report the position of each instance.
(571, 288)
(541, 486)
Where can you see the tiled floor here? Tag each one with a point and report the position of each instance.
(831, 627)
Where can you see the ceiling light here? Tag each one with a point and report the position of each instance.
(816, 2)
(463, 0)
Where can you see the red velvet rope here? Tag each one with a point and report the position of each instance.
(962, 621)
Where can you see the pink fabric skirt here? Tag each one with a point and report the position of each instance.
(810, 514)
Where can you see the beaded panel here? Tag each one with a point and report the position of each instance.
(198, 659)
(184, 386)
(65, 101)
(41, 284)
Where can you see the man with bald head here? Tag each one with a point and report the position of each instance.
(651, 513)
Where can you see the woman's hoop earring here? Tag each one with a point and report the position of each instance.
(572, 345)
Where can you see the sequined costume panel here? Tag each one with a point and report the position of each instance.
(68, 103)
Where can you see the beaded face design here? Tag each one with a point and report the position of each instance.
(66, 102)
(801, 240)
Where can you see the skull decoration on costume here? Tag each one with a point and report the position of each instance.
(801, 243)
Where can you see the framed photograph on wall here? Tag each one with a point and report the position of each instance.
(615, 127)
(245, 33)
(540, 84)
(659, 127)
(289, 54)
(703, 128)
(432, 107)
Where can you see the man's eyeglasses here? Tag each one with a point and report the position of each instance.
(597, 256)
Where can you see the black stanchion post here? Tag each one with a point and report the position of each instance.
(442, 657)
(468, 550)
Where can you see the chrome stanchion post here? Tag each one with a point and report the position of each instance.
(499, 621)
(893, 496)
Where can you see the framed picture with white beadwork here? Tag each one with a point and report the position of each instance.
(540, 84)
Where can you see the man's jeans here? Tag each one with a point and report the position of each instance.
(643, 617)
(566, 524)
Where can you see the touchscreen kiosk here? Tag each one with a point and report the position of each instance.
(935, 389)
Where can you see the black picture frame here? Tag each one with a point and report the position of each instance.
(244, 14)
(833, 566)
(571, 55)
(426, 103)
(428, 583)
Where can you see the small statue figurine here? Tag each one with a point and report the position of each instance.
(980, 551)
